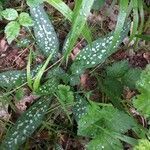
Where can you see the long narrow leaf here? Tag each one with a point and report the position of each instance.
(67, 12)
(40, 73)
(135, 18)
(123, 9)
(29, 77)
(81, 12)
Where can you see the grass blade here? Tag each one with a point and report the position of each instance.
(36, 83)
(81, 12)
(120, 22)
(67, 12)
(29, 77)
(135, 19)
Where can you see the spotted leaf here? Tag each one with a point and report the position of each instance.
(98, 52)
(50, 86)
(52, 81)
(79, 109)
(13, 78)
(44, 31)
(26, 125)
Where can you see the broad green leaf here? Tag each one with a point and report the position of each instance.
(81, 12)
(79, 109)
(97, 52)
(26, 125)
(13, 78)
(52, 78)
(117, 69)
(67, 12)
(10, 14)
(107, 121)
(25, 19)
(131, 77)
(105, 142)
(33, 3)
(44, 32)
(142, 101)
(12, 31)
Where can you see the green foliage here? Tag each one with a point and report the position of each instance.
(79, 109)
(65, 95)
(40, 73)
(118, 69)
(142, 101)
(26, 125)
(9, 14)
(13, 78)
(97, 53)
(25, 20)
(67, 12)
(81, 12)
(12, 31)
(98, 4)
(48, 87)
(131, 77)
(33, 3)
(102, 124)
(44, 32)
(118, 75)
(143, 144)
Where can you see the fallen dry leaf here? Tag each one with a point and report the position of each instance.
(22, 104)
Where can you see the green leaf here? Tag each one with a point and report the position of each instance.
(98, 4)
(26, 125)
(53, 78)
(142, 102)
(131, 77)
(13, 78)
(33, 3)
(25, 19)
(123, 9)
(10, 14)
(99, 123)
(105, 142)
(81, 12)
(12, 31)
(67, 12)
(117, 69)
(135, 18)
(98, 52)
(40, 73)
(29, 77)
(44, 32)
(65, 95)
(79, 109)
(143, 144)
(143, 37)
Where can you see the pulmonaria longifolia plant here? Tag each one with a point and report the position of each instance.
(104, 124)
